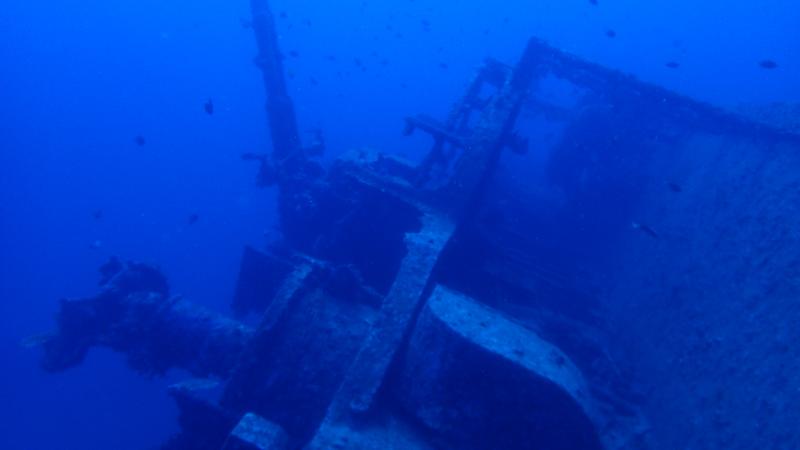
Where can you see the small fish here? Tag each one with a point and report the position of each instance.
(294, 54)
(283, 15)
(672, 64)
(768, 64)
(593, 2)
(246, 24)
(196, 384)
(96, 244)
(611, 34)
(36, 340)
(644, 228)
(139, 140)
(250, 156)
(97, 214)
(209, 107)
(674, 187)
(443, 66)
(193, 218)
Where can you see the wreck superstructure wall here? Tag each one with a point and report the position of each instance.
(707, 311)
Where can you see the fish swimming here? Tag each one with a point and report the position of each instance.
(611, 34)
(674, 187)
(196, 384)
(209, 107)
(139, 140)
(250, 156)
(645, 229)
(37, 340)
(768, 64)
(672, 64)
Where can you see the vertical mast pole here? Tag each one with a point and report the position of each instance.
(286, 145)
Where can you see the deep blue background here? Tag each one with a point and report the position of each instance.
(80, 79)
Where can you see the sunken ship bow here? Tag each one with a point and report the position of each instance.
(407, 305)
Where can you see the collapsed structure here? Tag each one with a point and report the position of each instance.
(400, 309)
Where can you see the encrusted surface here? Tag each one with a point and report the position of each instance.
(481, 380)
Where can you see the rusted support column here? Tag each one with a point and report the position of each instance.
(492, 133)
(455, 131)
(367, 373)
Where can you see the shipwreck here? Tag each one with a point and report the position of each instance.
(406, 305)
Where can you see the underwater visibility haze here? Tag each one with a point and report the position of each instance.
(405, 224)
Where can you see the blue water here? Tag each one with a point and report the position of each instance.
(79, 80)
